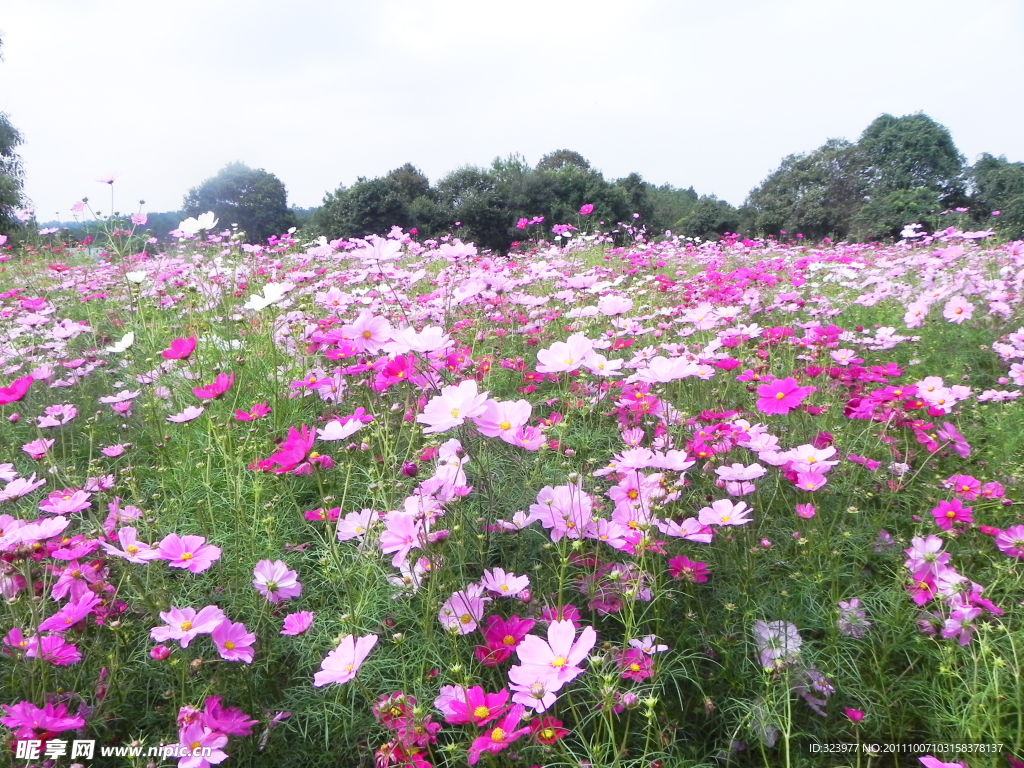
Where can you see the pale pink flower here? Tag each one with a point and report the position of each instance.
(342, 664)
(275, 581)
(185, 624)
(297, 623)
(504, 584)
(452, 407)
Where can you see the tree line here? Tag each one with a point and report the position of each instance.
(901, 170)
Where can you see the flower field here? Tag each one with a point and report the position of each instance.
(605, 501)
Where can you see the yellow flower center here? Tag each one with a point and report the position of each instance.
(634, 667)
(632, 494)
(186, 626)
(559, 662)
(780, 395)
(547, 733)
(726, 519)
(508, 640)
(455, 413)
(497, 735)
(186, 555)
(481, 712)
(229, 645)
(465, 618)
(505, 425)
(195, 745)
(367, 334)
(131, 549)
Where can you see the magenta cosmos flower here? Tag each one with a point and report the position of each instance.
(780, 397)
(29, 721)
(191, 552)
(275, 582)
(343, 662)
(498, 738)
(586, 210)
(219, 386)
(950, 512)
(180, 349)
(18, 389)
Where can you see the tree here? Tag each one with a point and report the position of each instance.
(12, 173)
(998, 185)
(560, 158)
(815, 195)
(253, 199)
(403, 198)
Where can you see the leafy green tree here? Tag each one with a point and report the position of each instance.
(815, 195)
(638, 193)
(669, 205)
(12, 173)
(911, 152)
(708, 219)
(562, 157)
(253, 199)
(403, 198)
(998, 185)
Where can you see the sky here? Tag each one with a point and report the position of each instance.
(710, 94)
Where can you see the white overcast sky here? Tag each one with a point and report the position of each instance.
(708, 93)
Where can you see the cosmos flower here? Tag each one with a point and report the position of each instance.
(189, 552)
(342, 664)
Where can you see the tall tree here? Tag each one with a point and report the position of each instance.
(253, 199)
(998, 185)
(12, 173)
(403, 198)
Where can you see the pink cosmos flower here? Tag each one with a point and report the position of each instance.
(586, 210)
(21, 486)
(504, 584)
(275, 581)
(113, 451)
(957, 310)
(475, 706)
(342, 664)
(191, 413)
(960, 445)
(502, 419)
(501, 736)
(452, 407)
(291, 452)
(681, 567)
(368, 333)
(30, 721)
(38, 448)
(159, 653)
(71, 613)
(401, 537)
(65, 502)
(132, 550)
(565, 355)
(933, 762)
(725, 512)
(57, 415)
(191, 552)
(297, 623)
(950, 512)
(258, 411)
(805, 511)
(180, 349)
(185, 624)
(233, 642)
(219, 386)
(54, 649)
(18, 389)
(196, 736)
(463, 609)
(1011, 541)
(855, 715)
(560, 656)
(781, 396)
